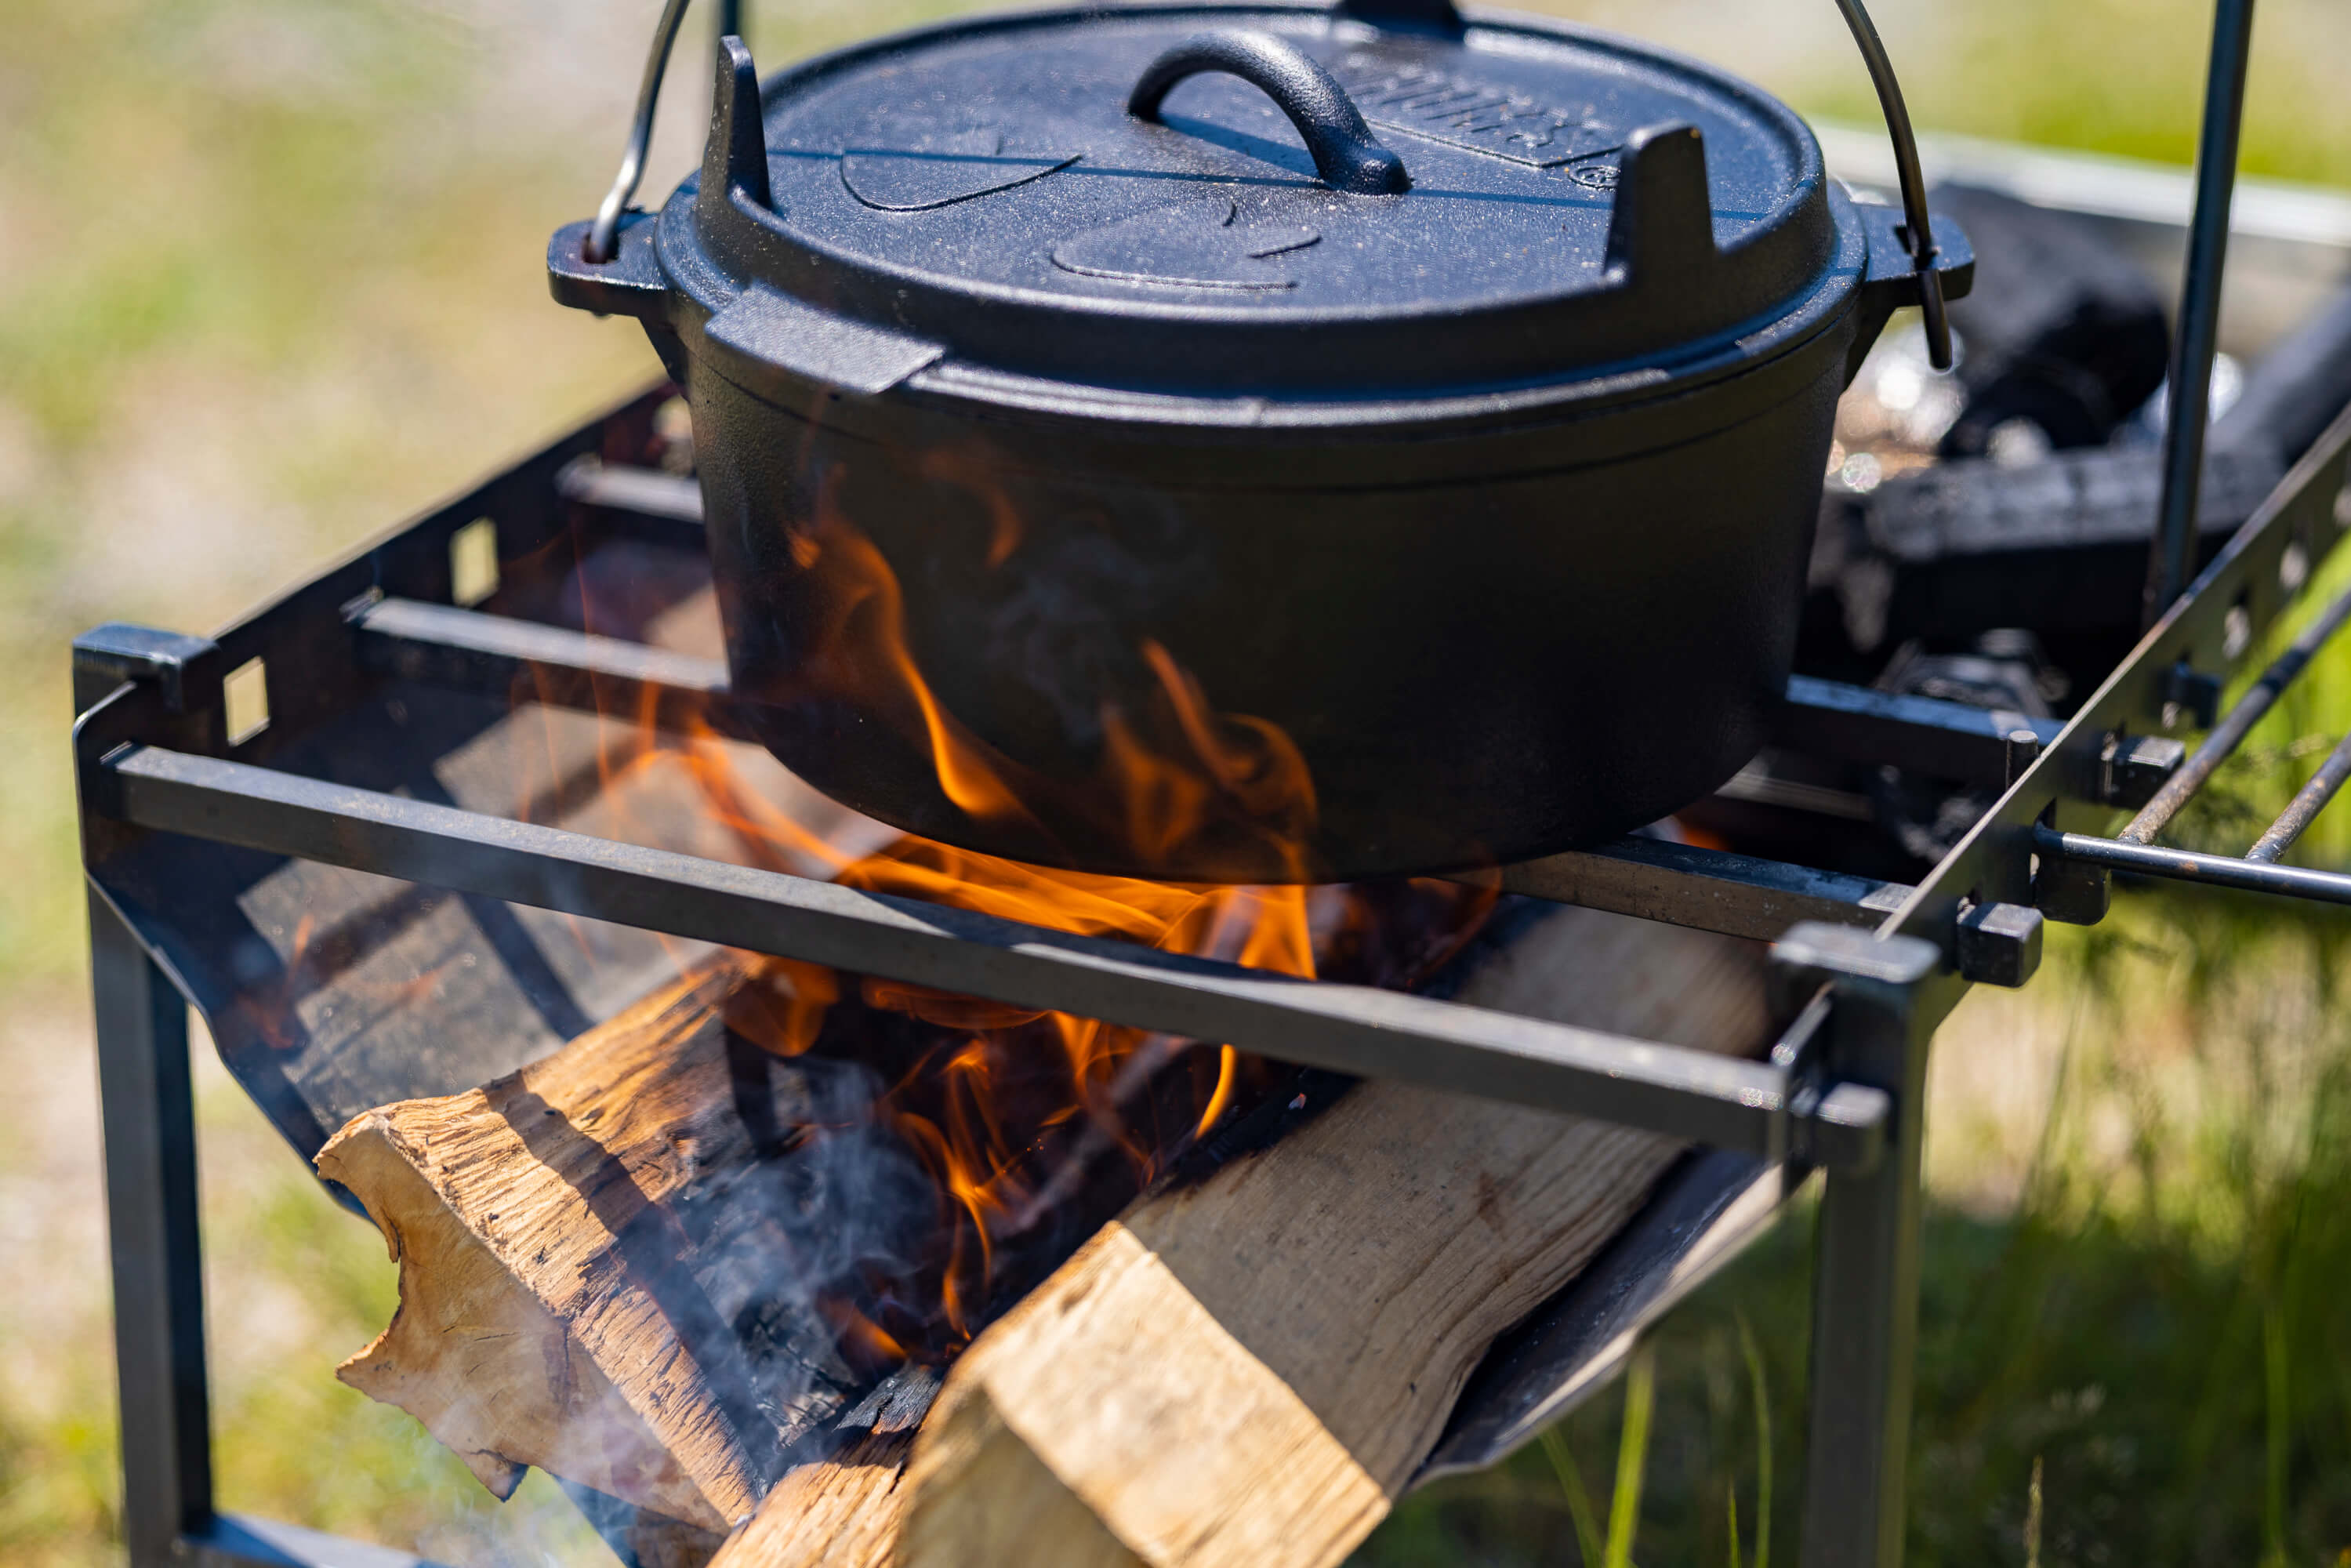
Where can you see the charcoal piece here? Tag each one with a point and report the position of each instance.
(2063, 329)
(2296, 390)
(2060, 545)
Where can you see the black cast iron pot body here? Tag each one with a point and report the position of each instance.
(1036, 418)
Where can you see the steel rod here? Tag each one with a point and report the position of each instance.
(2186, 866)
(2311, 800)
(2235, 725)
(468, 651)
(648, 492)
(1725, 1102)
(2190, 404)
(243, 1540)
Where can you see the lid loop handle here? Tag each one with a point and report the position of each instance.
(1346, 154)
(1918, 231)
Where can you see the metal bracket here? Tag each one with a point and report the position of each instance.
(2072, 891)
(1816, 950)
(187, 668)
(2132, 767)
(1999, 944)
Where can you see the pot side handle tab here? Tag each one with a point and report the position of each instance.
(1892, 280)
(766, 334)
(630, 284)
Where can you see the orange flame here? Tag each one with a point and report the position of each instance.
(1011, 1110)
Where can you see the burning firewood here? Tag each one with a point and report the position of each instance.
(627, 1264)
(667, 1262)
(1247, 1370)
(526, 1334)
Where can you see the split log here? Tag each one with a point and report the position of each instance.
(551, 1311)
(843, 1511)
(1244, 1371)
(1249, 1371)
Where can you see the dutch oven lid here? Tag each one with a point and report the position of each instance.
(1239, 198)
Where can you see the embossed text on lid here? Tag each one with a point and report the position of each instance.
(1462, 112)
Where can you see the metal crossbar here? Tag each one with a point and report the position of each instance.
(1724, 1100)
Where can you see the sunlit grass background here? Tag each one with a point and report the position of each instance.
(270, 279)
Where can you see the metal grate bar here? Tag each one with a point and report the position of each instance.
(1707, 889)
(498, 654)
(1725, 1102)
(1921, 735)
(243, 1540)
(2235, 725)
(2187, 865)
(2303, 810)
(647, 492)
(472, 651)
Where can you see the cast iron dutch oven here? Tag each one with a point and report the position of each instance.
(1255, 441)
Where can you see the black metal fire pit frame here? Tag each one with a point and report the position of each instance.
(1842, 1092)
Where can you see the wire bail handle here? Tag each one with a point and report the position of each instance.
(603, 236)
(1917, 229)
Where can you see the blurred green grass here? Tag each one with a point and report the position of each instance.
(271, 274)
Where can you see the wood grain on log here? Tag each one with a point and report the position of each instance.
(544, 1319)
(1243, 1371)
(1249, 1371)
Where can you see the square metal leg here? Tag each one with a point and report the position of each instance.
(1865, 1267)
(148, 1113)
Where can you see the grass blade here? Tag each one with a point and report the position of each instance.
(1753, 1352)
(2274, 1359)
(1632, 1455)
(2033, 1517)
(1579, 1501)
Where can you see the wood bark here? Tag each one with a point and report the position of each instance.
(544, 1316)
(1249, 1371)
